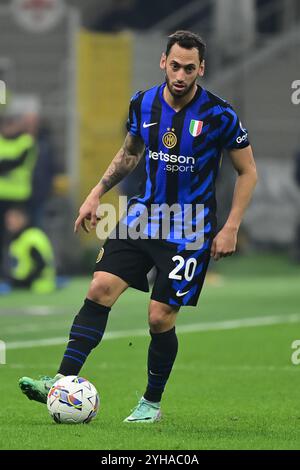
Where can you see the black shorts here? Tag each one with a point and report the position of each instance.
(180, 273)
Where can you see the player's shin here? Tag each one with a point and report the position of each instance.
(161, 357)
(86, 333)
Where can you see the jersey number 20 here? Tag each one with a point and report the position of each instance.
(189, 269)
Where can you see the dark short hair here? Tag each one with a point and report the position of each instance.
(187, 40)
(19, 207)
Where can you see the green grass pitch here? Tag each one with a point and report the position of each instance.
(233, 386)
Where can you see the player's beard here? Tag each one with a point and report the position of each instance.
(179, 94)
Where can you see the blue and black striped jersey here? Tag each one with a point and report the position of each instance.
(183, 149)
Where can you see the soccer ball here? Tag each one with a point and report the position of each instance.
(73, 400)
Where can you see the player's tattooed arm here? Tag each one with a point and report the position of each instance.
(124, 163)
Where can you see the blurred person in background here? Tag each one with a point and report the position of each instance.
(30, 256)
(45, 168)
(18, 156)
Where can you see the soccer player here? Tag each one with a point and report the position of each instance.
(182, 129)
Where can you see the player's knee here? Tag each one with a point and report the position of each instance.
(156, 321)
(101, 291)
(161, 318)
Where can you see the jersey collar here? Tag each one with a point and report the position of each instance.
(163, 101)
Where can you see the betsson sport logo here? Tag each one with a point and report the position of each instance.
(174, 162)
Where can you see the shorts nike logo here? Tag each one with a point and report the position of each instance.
(152, 373)
(180, 294)
(148, 125)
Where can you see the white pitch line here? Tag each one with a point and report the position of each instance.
(34, 310)
(193, 328)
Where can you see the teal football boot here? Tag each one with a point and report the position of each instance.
(37, 389)
(145, 412)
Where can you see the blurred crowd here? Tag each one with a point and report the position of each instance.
(27, 170)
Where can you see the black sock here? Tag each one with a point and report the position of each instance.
(161, 357)
(86, 333)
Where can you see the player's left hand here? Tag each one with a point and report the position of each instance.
(224, 243)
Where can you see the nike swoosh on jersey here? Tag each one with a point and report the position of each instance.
(145, 125)
(180, 294)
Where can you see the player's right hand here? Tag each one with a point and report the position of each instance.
(87, 212)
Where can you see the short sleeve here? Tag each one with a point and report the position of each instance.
(233, 134)
(133, 121)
